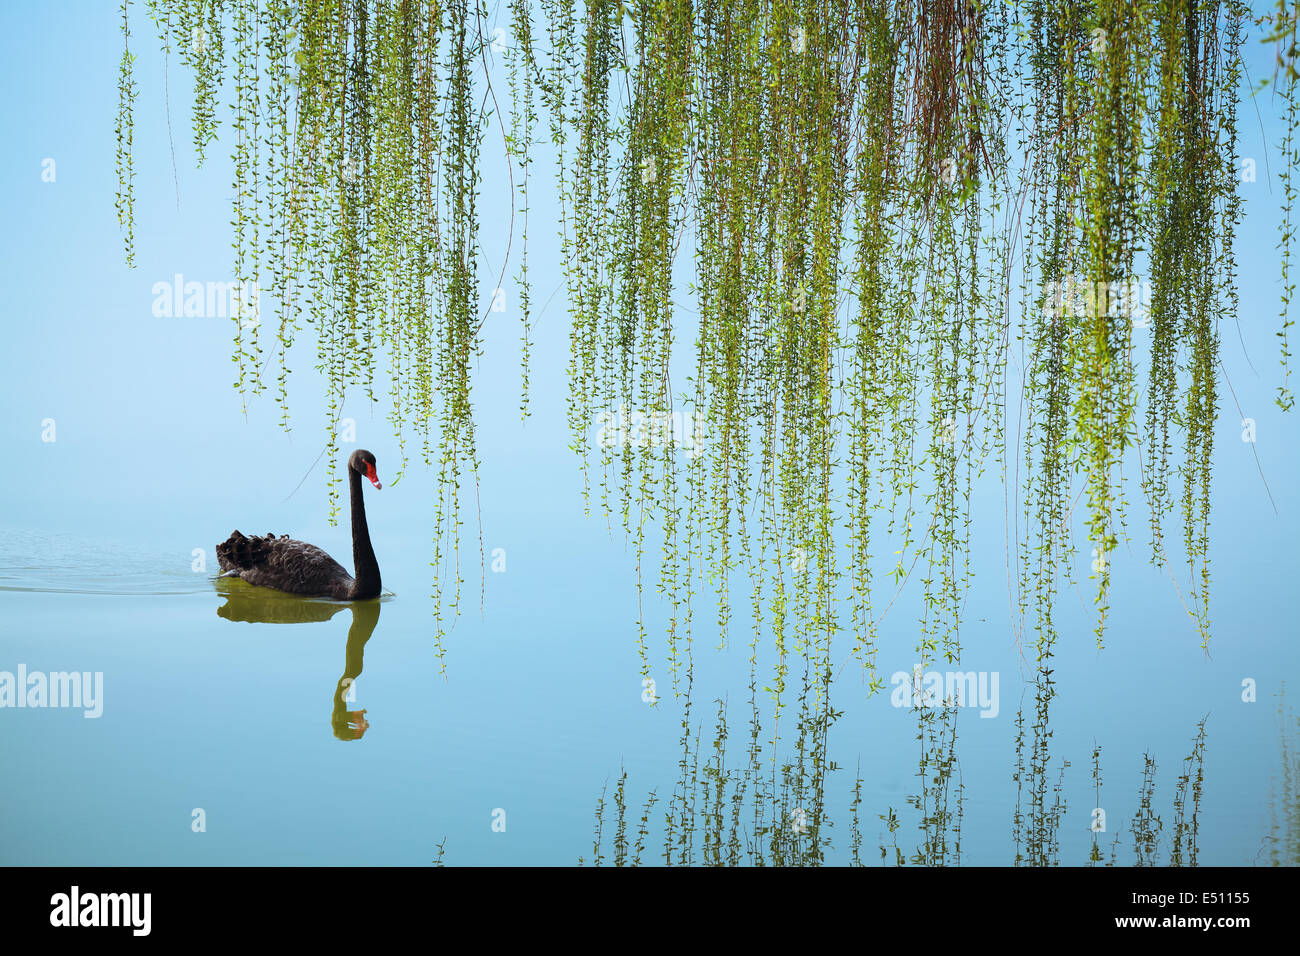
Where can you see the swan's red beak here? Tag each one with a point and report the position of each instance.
(372, 475)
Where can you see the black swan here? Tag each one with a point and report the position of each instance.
(300, 568)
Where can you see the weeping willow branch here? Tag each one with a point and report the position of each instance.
(803, 241)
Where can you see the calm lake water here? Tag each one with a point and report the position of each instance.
(233, 701)
(532, 741)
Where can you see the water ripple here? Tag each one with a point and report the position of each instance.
(63, 563)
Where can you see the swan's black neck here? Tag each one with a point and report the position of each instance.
(365, 568)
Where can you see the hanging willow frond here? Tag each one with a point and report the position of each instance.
(126, 94)
(878, 212)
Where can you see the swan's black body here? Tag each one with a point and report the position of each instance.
(300, 568)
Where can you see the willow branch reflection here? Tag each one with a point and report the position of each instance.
(765, 810)
(1041, 805)
(1282, 842)
(758, 811)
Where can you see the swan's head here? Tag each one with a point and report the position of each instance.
(363, 463)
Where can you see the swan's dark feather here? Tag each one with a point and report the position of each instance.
(284, 564)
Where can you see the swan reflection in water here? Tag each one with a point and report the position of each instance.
(351, 724)
(245, 602)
